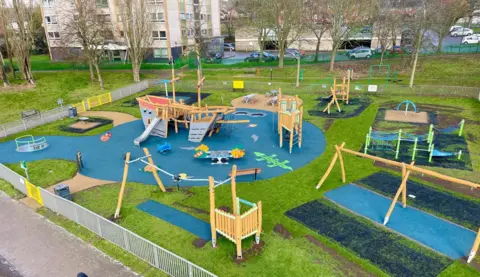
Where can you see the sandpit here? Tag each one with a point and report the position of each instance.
(83, 125)
(412, 117)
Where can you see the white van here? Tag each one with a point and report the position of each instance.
(475, 38)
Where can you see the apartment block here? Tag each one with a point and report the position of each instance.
(173, 17)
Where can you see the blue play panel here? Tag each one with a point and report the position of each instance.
(104, 160)
(178, 218)
(443, 236)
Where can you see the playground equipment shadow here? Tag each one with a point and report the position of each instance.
(391, 252)
(104, 160)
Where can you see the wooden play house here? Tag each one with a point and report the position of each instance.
(339, 92)
(290, 120)
(235, 226)
(407, 169)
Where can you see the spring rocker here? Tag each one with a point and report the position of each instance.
(290, 115)
(235, 227)
(339, 92)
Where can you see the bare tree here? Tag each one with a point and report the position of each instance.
(287, 23)
(343, 17)
(3, 74)
(137, 31)
(229, 17)
(84, 26)
(314, 21)
(3, 24)
(473, 6)
(447, 13)
(419, 24)
(386, 27)
(22, 24)
(254, 16)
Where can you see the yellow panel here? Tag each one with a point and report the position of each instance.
(80, 107)
(34, 192)
(238, 84)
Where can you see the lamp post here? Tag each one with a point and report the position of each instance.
(271, 73)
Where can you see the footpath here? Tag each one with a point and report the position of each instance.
(31, 246)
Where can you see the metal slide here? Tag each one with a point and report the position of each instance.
(149, 130)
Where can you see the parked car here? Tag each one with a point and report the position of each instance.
(362, 53)
(473, 39)
(355, 49)
(295, 51)
(461, 32)
(229, 46)
(396, 49)
(455, 27)
(255, 57)
(408, 49)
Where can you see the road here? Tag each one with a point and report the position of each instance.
(31, 246)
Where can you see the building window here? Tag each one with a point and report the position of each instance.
(122, 34)
(119, 18)
(155, 2)
(209, 17)
(51, 19)
(189, 16)
(190, 33)
(184, 33)
(202, 16)
(159, 35)
(196, 2)
(53, 35)
(182, 16)
(158, 17)
(48, 3)
(160, 53)
(204, 32)
(102, 3)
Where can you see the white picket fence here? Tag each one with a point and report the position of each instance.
(153, 254)
(45, 117)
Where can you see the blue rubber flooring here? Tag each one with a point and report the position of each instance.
(443, 236)
(103, 160)
(178, 218)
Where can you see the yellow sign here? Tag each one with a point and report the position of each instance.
(34, 192)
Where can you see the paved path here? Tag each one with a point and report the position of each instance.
(35, 247)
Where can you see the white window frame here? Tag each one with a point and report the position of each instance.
(156, 35)
(155, 17)
(48, 3)
(103, 5)
(52, 18)
(182, 16)
(161, 55)
(51, 35)
(155, 2)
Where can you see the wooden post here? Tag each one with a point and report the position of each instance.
(154, 170)
(234, 190)
(474, 250)
(259, 223)
(401, 188)
(341, 160)
(211, 184)
(122, 188)
(404, 191)
(291, 133)
(332, 163)
(349, 75)
(238, 235)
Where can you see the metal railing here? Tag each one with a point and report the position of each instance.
(148, 251)
(45, 117)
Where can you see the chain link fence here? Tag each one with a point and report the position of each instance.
(153, 254)
(49, 116)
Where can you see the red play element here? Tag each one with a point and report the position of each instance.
(158, 100)
(106, 137)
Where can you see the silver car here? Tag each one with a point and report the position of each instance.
(360, 53)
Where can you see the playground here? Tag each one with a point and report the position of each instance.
(104, 160)
(228, 181)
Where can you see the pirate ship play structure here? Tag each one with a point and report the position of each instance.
(157, 112)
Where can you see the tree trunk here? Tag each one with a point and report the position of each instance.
(414, 68)
(440, 44)
(260, 45)
(92, 75)
(332, 59)
(136, 71)
(282, 54)
(9, 54)
(3, 74)
(381, 57)
(99, 76)
(317, 49)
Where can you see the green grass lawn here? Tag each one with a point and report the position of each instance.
(45, 173)
(72, 87)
